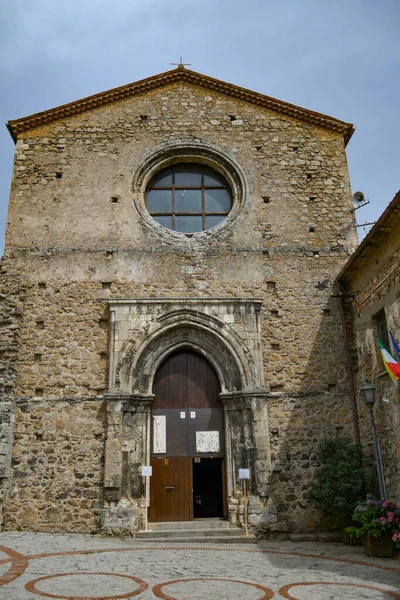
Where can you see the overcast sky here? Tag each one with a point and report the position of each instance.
(339, 57)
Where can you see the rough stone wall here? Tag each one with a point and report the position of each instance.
(11, 297)
(379, 290)
(57, 465)
(297, 423)
(66, 173)
(76, 239)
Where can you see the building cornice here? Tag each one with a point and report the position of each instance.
(388, 219)
(179, 75)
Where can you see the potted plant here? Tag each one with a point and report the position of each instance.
(376, 522)
(339, 480)
(396, 538)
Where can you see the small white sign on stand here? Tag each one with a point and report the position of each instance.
(245, 474)
(147, 472)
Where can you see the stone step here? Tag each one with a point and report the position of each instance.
(315, 537)
(188, 533)
(198, 524)
(195, 539)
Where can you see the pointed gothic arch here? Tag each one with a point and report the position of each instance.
(187, 328)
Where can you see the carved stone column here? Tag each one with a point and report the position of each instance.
(127, 450)
(247, 447)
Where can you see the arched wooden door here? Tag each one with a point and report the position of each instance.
(187, 441)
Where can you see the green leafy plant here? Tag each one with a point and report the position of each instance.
(339, 480)
(375, 517)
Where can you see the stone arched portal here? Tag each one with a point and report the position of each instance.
(142, 334)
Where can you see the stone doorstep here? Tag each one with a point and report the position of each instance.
(189, 533)
(197, 524)
(201, 531)
(315, 537)
(195, 539)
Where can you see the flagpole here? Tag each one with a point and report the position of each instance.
(395, 345)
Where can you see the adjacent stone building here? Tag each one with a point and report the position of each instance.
(171, 250)
(369, 286)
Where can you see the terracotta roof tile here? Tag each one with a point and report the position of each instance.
(178, 75)
(388, 219)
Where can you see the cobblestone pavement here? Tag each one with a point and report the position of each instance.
(84, 567)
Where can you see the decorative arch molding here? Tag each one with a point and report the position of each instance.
(201, 334)
(145, 332)
(193, 151)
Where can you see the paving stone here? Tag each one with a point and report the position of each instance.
(86, 567)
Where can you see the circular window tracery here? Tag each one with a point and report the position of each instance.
(188, 198)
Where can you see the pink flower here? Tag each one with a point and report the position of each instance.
(390, 515)
(383, 520)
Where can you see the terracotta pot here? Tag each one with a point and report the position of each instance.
(381, 546)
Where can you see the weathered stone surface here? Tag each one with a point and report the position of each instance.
(120, 520)
(266, 520)
(12, 295)
(71, 248)
(28, 516)
(280, 527)
(370, 285)
(113, 471)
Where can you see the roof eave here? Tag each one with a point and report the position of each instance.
(18, 126)
(368, 240)
(11, 132)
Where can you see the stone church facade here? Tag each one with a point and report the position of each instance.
(110, 276)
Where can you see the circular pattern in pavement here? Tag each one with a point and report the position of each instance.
(81, 585)
(54, 586)
(284, 591)
(18, 565)
(157, 589)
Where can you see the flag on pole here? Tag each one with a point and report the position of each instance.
(395, 346)
(391, 365)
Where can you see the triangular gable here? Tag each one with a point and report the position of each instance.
(180, 74)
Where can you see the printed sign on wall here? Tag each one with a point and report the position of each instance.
(244, 473)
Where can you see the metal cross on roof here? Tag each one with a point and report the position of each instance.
(181, 65)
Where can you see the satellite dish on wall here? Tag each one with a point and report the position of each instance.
(358, 197)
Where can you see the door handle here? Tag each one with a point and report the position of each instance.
(169, 487)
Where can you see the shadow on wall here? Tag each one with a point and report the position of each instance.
(306, 403)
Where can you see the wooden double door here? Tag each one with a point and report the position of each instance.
(187, 441)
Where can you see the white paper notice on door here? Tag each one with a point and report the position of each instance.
(159, 434)
(207, 441)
